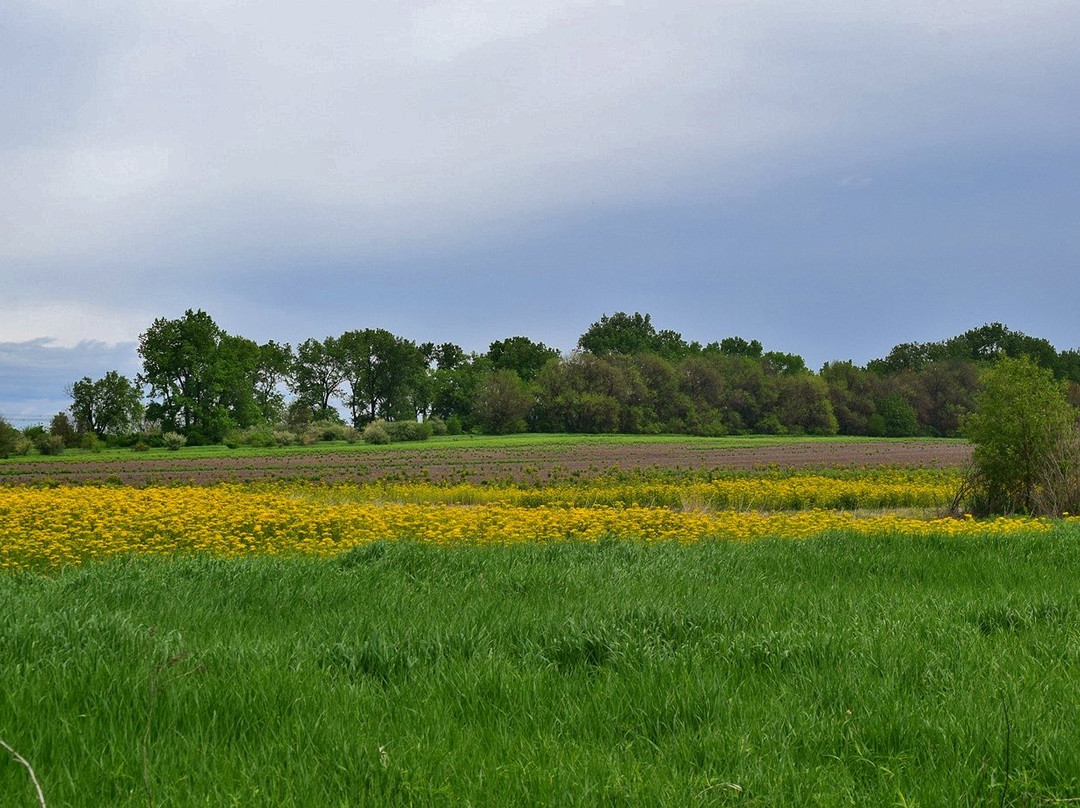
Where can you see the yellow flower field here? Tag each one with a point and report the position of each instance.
(864, 489)
(52, 527)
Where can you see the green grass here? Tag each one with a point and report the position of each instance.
(838, 671)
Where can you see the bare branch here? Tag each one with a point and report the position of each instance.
(29, 768)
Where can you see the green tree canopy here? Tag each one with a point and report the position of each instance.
(1021, 425)
(316, 377)
(502, 403)
(521, 355)
(111, 405)
(383, 372)
(630, 334)
(201, 378)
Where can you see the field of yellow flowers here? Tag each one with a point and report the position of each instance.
(50, 527)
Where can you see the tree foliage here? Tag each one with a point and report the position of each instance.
(382, 371)
(109, 406)
(627, 334)
(626, 376)
(502, 403)
(520, 355)
(1024, 432)
(317, 374)
(9, 435)
(202, 379)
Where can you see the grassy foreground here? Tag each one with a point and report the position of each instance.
(841, 670)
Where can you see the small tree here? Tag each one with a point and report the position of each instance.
(9, 436)
(61, 426)
(1022, 429)
(502, 403)
(112, 405)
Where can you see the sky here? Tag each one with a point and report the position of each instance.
(831, 178)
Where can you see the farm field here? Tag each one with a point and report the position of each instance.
(525, 458)
(536, 622)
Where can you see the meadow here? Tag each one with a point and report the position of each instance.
(661, 635)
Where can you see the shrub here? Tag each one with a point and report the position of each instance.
(91, 443)
(899, 418)
(438, 425)
(331, 430)
(409, 430)
(49, 444)
(141, 446)
(377, 433)
(32, 433)
(1027, 454)
(257, 436)
(1059, 476)
(173, 441)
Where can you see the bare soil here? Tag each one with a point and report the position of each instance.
(461, 462)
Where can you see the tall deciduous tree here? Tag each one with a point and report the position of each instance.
(521, 355)
(111, 405)
(383, 372)
(629, 334)
(317, 374)
(273, 371)
(201, 377)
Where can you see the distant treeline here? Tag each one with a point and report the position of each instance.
(624, 376)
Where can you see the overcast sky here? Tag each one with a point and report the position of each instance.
(830, 177)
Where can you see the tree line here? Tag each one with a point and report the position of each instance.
(625, 375)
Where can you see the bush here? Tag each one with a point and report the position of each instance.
(173, 441)
(377, 433)
(332, 430)
(49, 444)
(438, 425)
(1027, 453)
(141, 446)
(32, 433)
(91, 443)
(899, 419)
(256, 436)
(409, 430)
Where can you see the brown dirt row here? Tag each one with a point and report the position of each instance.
(461, 462)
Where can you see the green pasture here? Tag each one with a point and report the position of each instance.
(835, 671)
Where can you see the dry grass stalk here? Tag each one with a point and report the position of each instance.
(29, 768)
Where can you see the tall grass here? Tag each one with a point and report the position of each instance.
(836, 671)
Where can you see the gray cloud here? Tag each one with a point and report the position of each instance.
(35, 375)
(218, 155)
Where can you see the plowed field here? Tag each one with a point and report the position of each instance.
(459, 461)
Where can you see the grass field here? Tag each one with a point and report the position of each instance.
(842, 670)
(893, 660)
